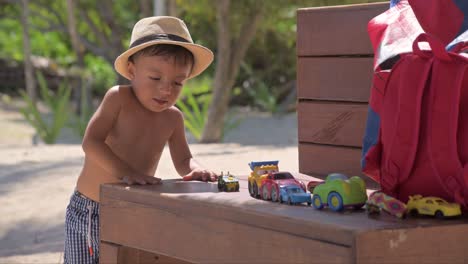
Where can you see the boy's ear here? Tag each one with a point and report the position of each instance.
(131, 69)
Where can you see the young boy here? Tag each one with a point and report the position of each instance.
(126, 136)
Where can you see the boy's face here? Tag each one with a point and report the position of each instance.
(158, 80)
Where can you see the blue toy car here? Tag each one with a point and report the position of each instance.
(293, 194)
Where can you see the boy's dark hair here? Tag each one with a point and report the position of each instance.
(180, 54)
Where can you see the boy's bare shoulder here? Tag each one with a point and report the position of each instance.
(120, 95)
(114, 93)
(175, 113)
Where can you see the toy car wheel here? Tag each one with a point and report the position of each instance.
(414, 212)
(372, 209)
(265, 193)
(255, 190)
(308, 204)
(335, 201)
(237, 187)
(289, 201)
(317, 202)
(281, 199)
(439, 214)
(251, 190)
(358, 206)
(274, 194)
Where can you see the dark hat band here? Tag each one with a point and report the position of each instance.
(152, 37)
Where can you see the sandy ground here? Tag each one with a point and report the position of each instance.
(36, 181)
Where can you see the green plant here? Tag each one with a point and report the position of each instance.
(48, 129)
(80, 121)
(230, 123)
(195, 112)
(262, 96)
(194, 102)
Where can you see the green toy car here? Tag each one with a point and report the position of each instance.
(338, 192)
(228, 183)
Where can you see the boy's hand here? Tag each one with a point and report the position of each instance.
(141, 179)
(201, 175)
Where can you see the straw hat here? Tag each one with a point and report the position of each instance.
(163, 30)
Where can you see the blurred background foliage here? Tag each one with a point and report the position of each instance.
(271, 55)
(265, 79)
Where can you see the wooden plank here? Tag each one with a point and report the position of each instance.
(136, 256)
(108, 253)
(204, 239)
(334, 78)
(321, 160)
(195, 199)
(337, 30)
(331, 123)
(237, 207)
(436, 244)
(175, 218)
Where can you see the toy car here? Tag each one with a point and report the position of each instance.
(228, 183)
(438, 207)
(378, 201)
(293, 194)
(338, 192)
(272, 183)
(260, 170)
(312, 184)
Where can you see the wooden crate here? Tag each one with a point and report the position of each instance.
(334, 73)
(180, 222)
(336, 30)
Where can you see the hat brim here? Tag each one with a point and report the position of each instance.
(202, 56)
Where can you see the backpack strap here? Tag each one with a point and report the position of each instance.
(443, 117)
(401, 152)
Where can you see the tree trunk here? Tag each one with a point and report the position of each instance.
(146, 8)
(212, 131)
(160, 8)
(115, 39)
(28, 67)
(227, 67)
(172, 8)
(78, 91)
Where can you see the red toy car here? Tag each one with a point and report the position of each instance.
(312, 184)
(270, 188)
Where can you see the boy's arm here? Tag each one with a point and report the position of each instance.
(96, 133)
(182, 158)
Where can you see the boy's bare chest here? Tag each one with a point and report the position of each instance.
(138, 130)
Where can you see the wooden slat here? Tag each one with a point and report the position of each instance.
(334, 78)
(241, 209)
(436, 244)
(136, 256)
(321, 160)
(191, 222)
(331, 123)
(207, 240)
(108, 253)
(338, 30)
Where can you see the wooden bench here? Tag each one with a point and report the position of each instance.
(190, 222)
(181, 222)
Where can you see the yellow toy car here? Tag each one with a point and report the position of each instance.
(228, 183)
(434, 206)
(260, 170)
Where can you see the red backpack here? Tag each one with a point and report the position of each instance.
(421, 113)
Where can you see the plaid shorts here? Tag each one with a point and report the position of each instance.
(81, 230)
